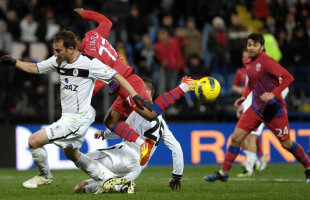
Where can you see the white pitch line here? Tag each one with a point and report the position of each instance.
(267, 179)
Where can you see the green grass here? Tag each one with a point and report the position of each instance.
(278, 181)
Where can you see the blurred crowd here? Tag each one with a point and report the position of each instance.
(163, 40)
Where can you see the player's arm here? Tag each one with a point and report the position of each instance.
(105, 24)
(278, 71)
(25, 66)
(177, 156)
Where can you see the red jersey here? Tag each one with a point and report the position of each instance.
(263, 74)
(96, 45)
(240, 78)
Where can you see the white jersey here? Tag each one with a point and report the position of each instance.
(156, 130)
(77, 80)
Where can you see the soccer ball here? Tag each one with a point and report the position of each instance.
(207, 89)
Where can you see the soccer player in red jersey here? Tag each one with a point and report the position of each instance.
(96, 45)
(267, 106)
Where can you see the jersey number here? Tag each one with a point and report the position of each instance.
(149, 133)
(105, 46)
(281, 133)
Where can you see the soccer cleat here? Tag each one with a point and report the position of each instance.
(145, 151)
(109, 184)
(216, 176)
(245, 174)
(190, 82)
(128, 187)
(307, 172)
(263, 162)
(36, 182)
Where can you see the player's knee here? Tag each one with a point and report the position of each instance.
(235, 140)
(33, 142)
(287, 144)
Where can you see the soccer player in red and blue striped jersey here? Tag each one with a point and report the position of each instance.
(267, 107)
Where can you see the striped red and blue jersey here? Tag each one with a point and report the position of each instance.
(264, 73)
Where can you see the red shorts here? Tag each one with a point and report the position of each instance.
(120, 104)
(250, 121)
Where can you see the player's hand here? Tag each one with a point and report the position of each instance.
(79, 11)
(267, 96)
(239, 101)
(139, 101)
(239, 111)
(113, 87)
(174, 183)
(8, 60)
(99, 134)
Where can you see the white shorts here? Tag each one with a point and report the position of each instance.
(70, 129)
(247, 103)
(119, 159)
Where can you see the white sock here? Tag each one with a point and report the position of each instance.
(184, 87)
(251, 159)
(139, 141)
(246, 152)
(94, 169)
(39, 157)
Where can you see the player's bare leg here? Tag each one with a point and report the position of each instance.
(36, 142)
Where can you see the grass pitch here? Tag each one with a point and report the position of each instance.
(277, 181)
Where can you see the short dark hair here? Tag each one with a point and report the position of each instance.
(68, 38)
(149, 85)
(256, 37)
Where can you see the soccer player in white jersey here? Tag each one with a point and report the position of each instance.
(78, 73)
(123, 159)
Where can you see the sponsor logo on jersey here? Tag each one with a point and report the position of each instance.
(75, 72)
(67, 80)
(71, 87)
(258, 67)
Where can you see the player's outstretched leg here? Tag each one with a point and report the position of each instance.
(230, 156)
(166, 100)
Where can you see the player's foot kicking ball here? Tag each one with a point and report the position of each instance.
(36, 182)
(190, 82)
(145, 151)
(216, 176)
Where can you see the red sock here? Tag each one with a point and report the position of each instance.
(230, 156)
(166, 100)
(300, 155)
(125, 131)
(259, 147)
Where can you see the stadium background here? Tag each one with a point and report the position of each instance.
(29, 101)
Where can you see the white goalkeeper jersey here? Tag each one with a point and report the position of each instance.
(77, 80)
(156, 130)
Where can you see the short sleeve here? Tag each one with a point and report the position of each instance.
(101, 71)
(47, 65)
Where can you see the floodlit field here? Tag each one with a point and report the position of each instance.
(278, 181)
